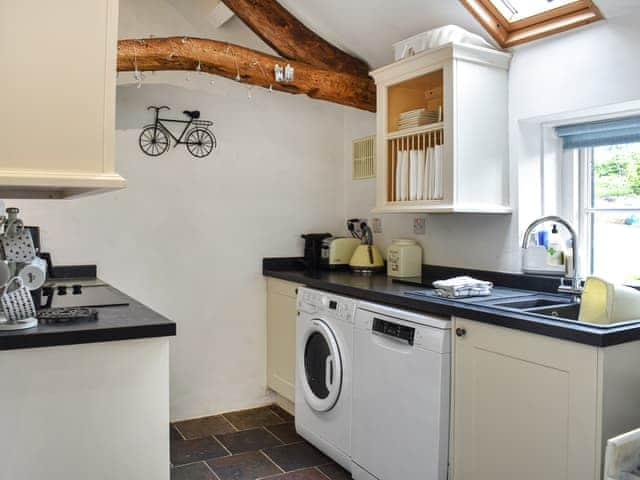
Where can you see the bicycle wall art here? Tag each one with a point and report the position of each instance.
(155, 139)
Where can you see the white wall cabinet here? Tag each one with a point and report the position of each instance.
(281, 336)
(528, 406)
(469, 85)
(57, 91)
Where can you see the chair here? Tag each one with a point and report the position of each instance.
(622, 458)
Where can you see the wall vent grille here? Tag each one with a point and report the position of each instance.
(364, 158)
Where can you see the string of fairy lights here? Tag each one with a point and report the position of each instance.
(281, 73)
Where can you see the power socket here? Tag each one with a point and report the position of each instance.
(420, 225)
(357, 225)
(376, 225)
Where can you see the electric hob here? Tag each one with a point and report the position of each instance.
(84, 292)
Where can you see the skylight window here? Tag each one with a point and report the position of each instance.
(512, 22)
(514, 10)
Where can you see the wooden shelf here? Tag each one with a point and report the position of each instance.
(432, 127)
(425, 206)
(424, 91)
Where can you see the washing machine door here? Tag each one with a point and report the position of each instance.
(320, 366)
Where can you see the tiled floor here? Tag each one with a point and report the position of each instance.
(260, 443)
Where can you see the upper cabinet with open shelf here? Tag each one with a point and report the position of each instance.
(442, 126)
(58, 98)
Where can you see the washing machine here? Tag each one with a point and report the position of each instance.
(324, 340)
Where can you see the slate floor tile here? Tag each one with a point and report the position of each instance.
(190, 451)
(306, 474)
(296, 456)
(174, 434)
(285, 432)
(248, 440)
(335, 472)
(245, 466)
(204, 427)
(282, 413)
(256, 417)
(193, 471)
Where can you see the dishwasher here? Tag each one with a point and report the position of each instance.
(401, 380)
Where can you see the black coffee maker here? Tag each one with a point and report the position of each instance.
(313, 250)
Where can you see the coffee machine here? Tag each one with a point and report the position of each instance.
(313, 250)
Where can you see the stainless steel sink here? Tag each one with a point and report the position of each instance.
(568, 312)
(531, 302)
(556, 306)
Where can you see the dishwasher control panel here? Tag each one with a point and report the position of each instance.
(401, 332)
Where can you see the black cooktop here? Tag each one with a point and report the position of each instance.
(87, 294)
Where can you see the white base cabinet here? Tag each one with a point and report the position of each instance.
(281, 336)
(532, 407)
(98, 411)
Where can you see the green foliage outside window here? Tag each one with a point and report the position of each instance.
(619, 174)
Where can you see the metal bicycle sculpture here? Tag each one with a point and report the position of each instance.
(155, 138)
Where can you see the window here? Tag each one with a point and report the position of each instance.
(513, 22)
(514, 10)
(609, 211)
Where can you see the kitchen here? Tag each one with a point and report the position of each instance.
(282, 167)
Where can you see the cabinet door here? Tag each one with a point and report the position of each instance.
(525, 406)
(281, 337)
(57, 91)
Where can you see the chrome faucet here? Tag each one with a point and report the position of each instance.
(575, 285)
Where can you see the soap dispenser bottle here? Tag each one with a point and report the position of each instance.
(555, 253)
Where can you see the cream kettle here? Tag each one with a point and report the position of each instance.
(366, 258)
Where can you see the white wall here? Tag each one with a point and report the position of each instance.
(188, 235)
(592, 66)
(586, 68)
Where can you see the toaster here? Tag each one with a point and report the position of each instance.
(336, 252)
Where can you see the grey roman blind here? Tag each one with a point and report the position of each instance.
(604, 132)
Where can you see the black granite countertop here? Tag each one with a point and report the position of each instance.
(381, 289)
(134, 321)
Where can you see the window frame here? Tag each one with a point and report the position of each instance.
(511, 33)
(585, 210)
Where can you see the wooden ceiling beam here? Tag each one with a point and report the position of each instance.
(253, 67)
(292, 39)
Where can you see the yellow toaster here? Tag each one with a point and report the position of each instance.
(337, 251)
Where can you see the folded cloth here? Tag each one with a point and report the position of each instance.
(462, 287)
(465, 292)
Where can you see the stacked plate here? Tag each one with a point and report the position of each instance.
(417, 118)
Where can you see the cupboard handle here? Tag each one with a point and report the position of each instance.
(461, 332)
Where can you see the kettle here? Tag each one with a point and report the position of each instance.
(366, 257)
